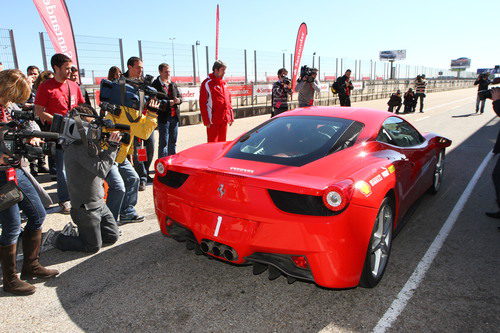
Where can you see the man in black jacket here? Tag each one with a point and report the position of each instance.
(345, 87)
(395, 102)
(495, 96)
(483, 82)
(168, 118)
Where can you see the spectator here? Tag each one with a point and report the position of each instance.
(15, 87)
(114, 73)
(281, 91)
(345, 87)
(420, 85)
(495, 96)
(306, 87)
(86, 172)
(395, 101)
(215, 104)
(44, 76)
(409, 101)
(168, 118)
(482, 82)
(122, 179)
(57, 96)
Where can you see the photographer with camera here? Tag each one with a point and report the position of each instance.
(281, 90)
(57, 96)
(123, 179)
(420, 85)
(343, 86)
(87, 164)
(307, 85)
(15, 88)
(482, 82)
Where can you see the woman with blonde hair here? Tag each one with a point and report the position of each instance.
(15, 88)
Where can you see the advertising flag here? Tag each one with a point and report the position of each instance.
(57, 22)
(299, 48)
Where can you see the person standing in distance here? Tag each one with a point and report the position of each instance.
(215, 104)
(281, 90)
(345, 87)
(420, 85)
(482, 82)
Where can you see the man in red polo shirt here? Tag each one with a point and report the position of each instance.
(57, 96)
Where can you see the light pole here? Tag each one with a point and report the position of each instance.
(173, 54)
(198, 60)
(314, 55)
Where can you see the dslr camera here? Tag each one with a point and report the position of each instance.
(13, 141)
(98, 130)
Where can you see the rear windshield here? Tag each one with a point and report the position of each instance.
(296, 140)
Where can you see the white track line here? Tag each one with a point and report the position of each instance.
(399, 304)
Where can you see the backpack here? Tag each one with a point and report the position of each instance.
(335, 88)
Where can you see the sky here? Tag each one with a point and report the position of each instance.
(432, 32)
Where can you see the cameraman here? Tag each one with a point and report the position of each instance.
(57, 96)
(344, 87)
(122, 179)
(86, 167)
(306, 86)
(482, 82)
(281, 90)
(15, 88)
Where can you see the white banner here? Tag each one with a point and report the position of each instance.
(262, 89)
(190, 93)
(325, 87)
(357, 85)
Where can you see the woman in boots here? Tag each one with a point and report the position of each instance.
(14, 88)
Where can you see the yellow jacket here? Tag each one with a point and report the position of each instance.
(141, 126)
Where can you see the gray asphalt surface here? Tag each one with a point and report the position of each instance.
(147, 282)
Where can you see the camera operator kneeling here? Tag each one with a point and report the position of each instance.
(15, 88)
(86, 167)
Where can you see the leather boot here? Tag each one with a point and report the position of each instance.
(31, 250)
(11, 282)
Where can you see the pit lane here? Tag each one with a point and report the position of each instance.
(149, 283)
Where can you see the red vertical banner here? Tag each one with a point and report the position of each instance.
(217, 34)
(299, 48)
(57, 22)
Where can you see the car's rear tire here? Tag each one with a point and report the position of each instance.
(379, 247)
(437, 178)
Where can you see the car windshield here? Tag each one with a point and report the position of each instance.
(296, 140)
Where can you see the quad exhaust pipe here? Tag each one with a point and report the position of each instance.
(218, 250)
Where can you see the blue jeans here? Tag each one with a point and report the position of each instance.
(31, 205)
(131, 180)
(116, 191)
(62, 186)
(142, 168)
(167, 136)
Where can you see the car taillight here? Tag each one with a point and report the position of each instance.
(161, 168)
(300, 261)
(336, 197)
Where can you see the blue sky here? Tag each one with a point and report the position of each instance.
(432, 32)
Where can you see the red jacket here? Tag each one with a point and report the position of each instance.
(215, 101)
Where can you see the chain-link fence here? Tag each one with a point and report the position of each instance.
(8, 56)
(95, 55)
(178, 56)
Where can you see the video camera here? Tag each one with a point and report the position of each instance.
(96, 130)
(127, 92)
(13, 138)
(286, 80)
(484, 94)
(23, 115)
(306, 71)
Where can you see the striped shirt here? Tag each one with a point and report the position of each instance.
(420, 87)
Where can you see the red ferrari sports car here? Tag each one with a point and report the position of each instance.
(313, 194)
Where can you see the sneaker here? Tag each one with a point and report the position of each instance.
(70, 230)
(142, 186)
(65, 207)
(132, 219)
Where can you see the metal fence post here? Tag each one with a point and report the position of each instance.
(336, 67)
(246, 69)
(283, 59)
(341, 65)
(319, 67)
(13, 47)
(206, 49)
(375, 70)
(255, 63)
(355, 69)
(44, 55)
(359, 69)
(139, 43)
(120, 44)
(371, 69)
(291, 63)
(194, 64)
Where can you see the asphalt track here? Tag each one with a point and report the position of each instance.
(146, 282)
